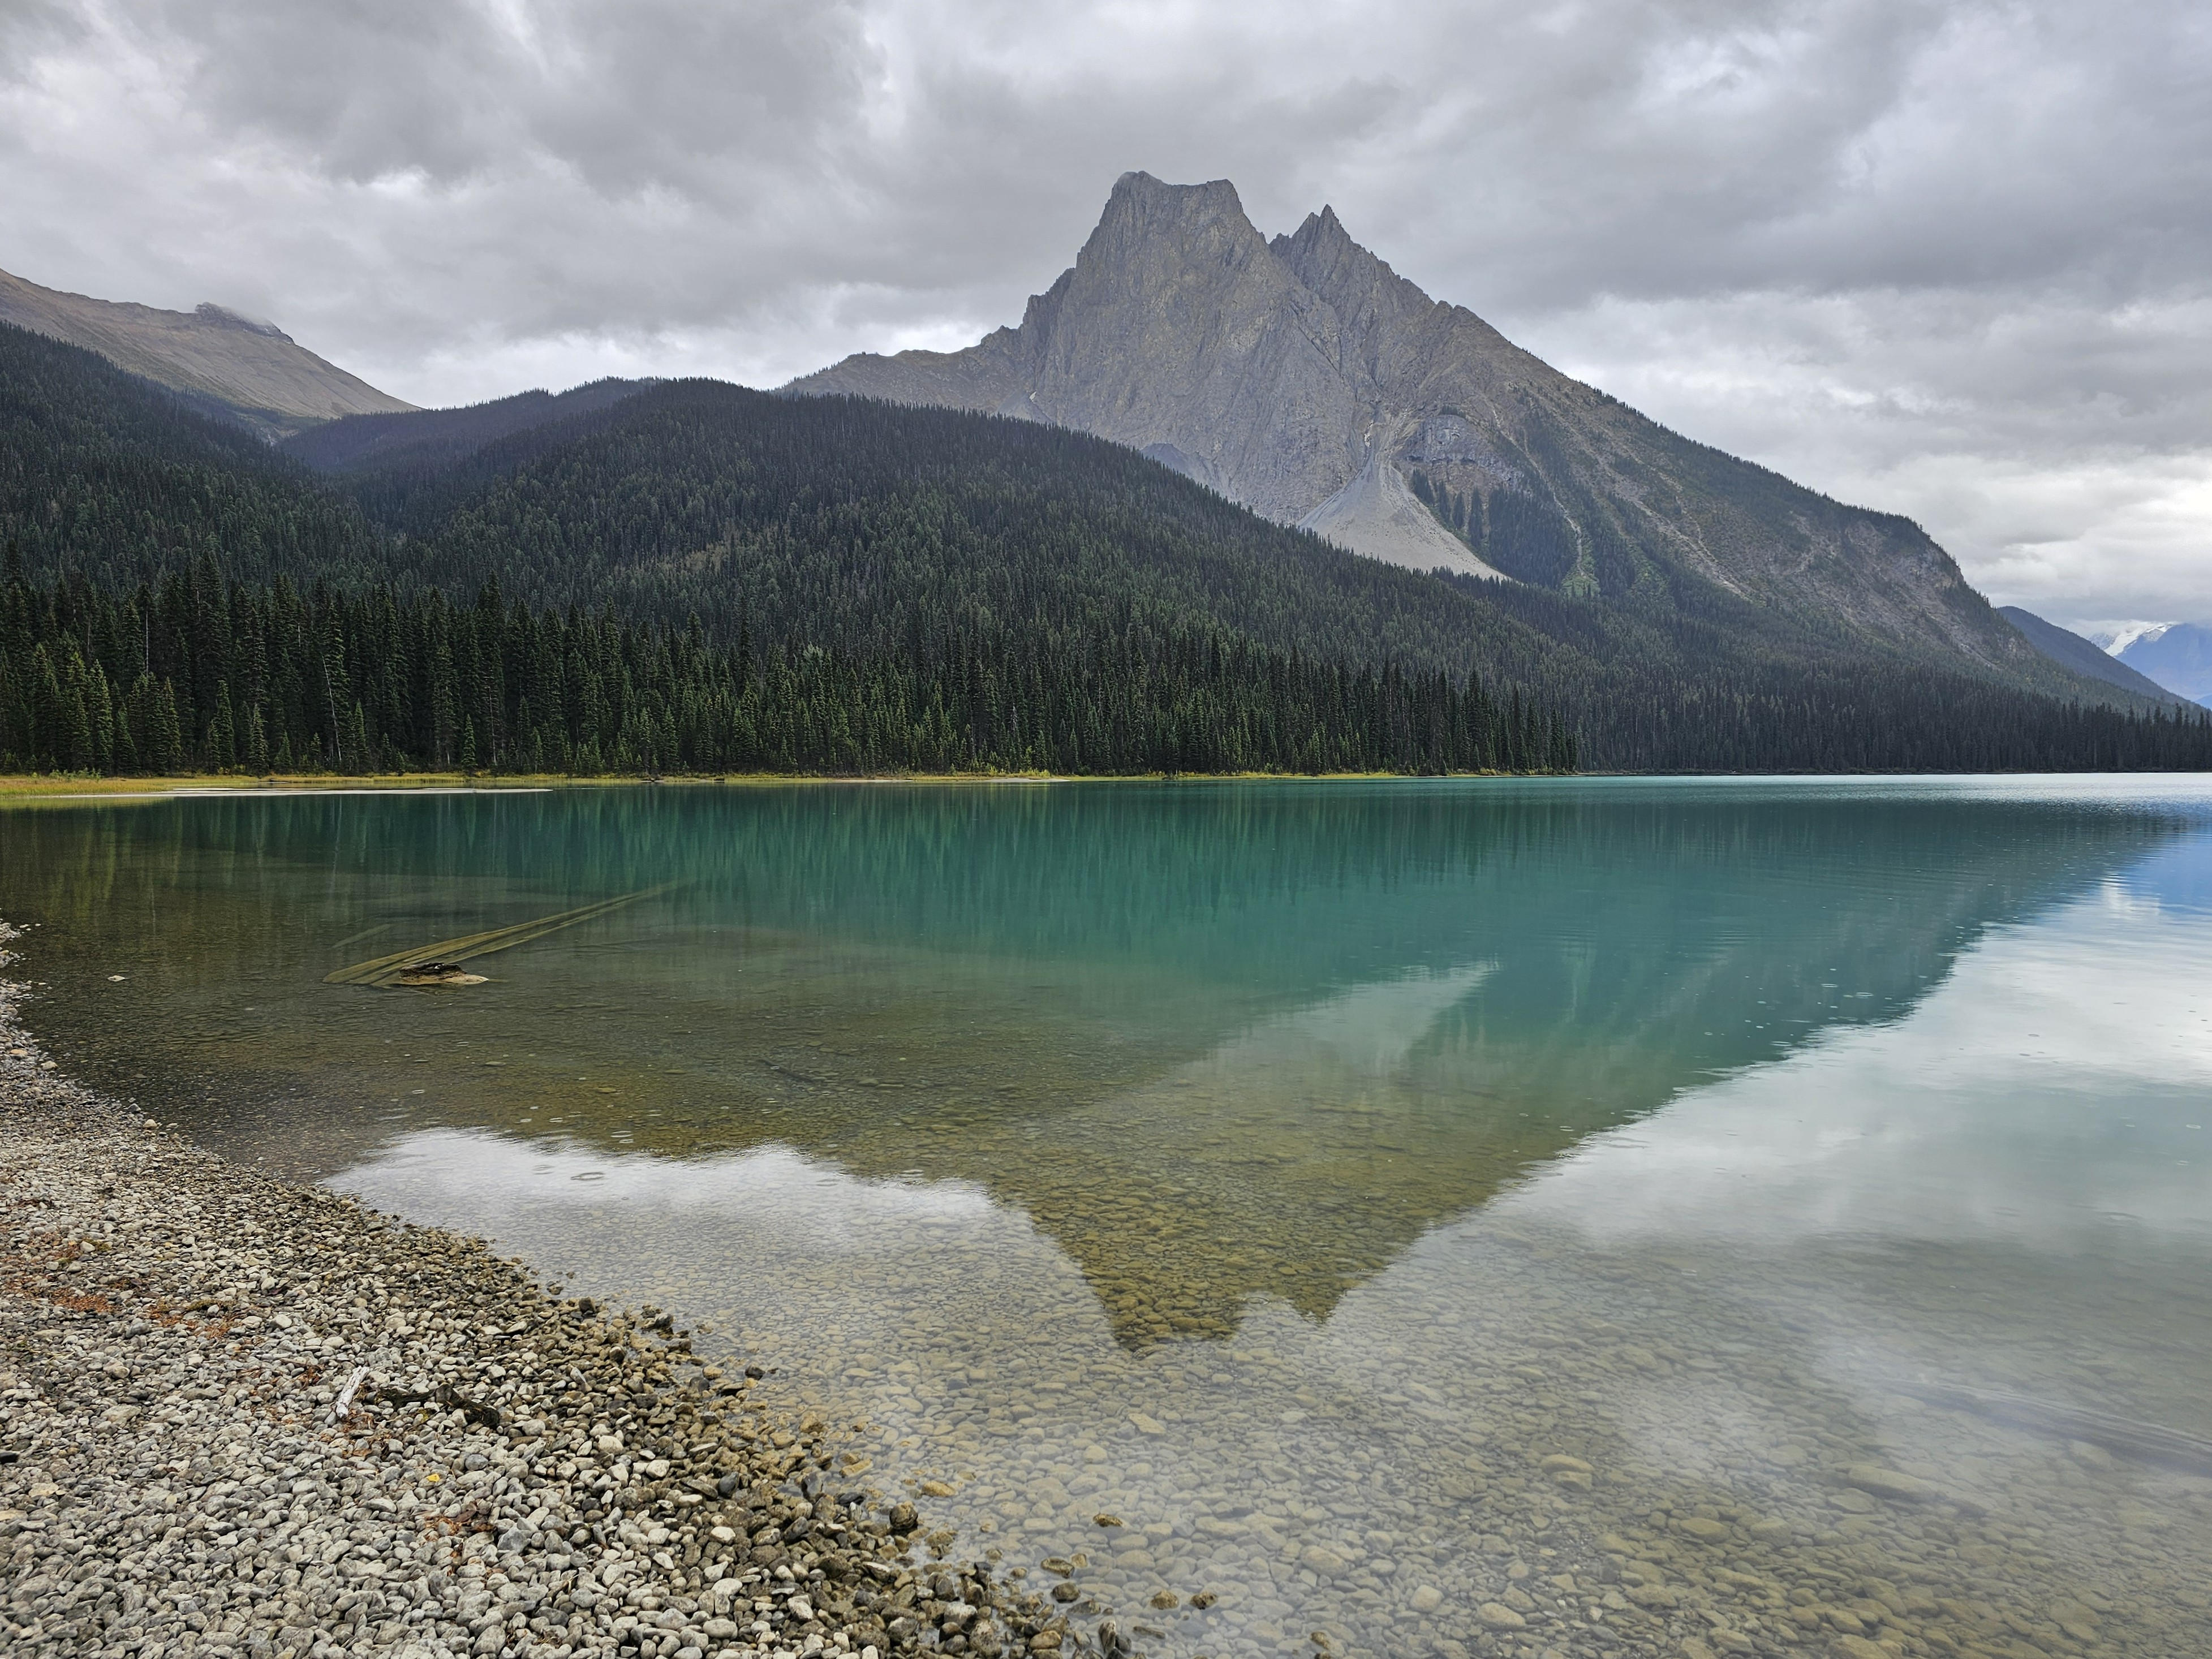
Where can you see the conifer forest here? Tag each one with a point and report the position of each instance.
(689, 578)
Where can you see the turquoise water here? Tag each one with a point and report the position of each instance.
(1286, 1171)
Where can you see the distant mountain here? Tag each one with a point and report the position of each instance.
(2112, 638)
(2178, 655)
(2083, 655)
(227, 365)
(1305, 378)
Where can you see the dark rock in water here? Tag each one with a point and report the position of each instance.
(903, 1519)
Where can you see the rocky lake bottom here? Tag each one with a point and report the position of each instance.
(1590, 1220)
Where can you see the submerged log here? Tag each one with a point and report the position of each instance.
(438, 973)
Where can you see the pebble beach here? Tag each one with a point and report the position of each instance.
(241, 1416)
(248, 1419)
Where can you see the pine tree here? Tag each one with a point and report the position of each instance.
(221, 747)
(256, 751)
(359, 756)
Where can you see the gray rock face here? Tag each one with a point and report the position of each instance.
(252, 371)
(1378, 514)
(1305, 378)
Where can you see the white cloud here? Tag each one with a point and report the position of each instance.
(1943, 256)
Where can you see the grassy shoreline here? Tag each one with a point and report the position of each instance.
(33, 787)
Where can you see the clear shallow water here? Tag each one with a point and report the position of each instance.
(1287, 1170)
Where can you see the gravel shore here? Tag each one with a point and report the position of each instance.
(242, 1418)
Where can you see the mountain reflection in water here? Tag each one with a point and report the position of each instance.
(1290, 1169)
(1219, 1041)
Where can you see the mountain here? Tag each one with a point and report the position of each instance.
(227, 365)
(113, 480)
(406, 468)
(2178, 655)
(697, 576)
(853, 525)
(844, 525)
(431, 439)
(2113, 638)
(887, 589)
(1304, 378)
(2084, 656)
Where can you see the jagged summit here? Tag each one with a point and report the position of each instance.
(1305, 378)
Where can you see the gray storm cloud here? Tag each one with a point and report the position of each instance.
(1948, 259)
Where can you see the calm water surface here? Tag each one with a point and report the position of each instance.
(1815, 1172)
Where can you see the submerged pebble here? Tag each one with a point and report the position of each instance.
(463, 1465)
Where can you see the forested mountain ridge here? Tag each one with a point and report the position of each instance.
(1305, 378)
(106, 475)
(178, 594)
(848, 521)
(405, 468)
(856, 523)
(698, 576)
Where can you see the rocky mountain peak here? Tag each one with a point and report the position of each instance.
(1321, 241)
(1366, 294)
(1306, 379)
(1153, 234)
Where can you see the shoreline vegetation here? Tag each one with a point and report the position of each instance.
(198, 673)
(249, 1420)
(65, 786)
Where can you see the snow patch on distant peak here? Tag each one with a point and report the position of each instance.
(2114, 638)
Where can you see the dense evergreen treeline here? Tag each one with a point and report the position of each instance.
(1702, 690)
(109, 476)
(197, 673)
(405, 470)
(1513, 531)
(839, 521)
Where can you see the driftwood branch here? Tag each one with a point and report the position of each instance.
(447, 1397)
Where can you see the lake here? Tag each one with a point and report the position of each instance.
(1429, 1217)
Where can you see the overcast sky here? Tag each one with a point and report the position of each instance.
(1952, 259)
